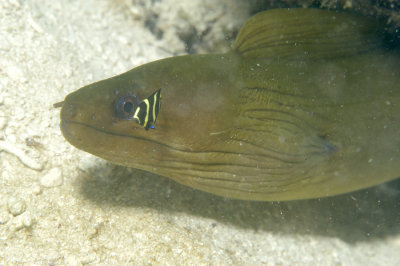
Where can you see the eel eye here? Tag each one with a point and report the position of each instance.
(126, 105)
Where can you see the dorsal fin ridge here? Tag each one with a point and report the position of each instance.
(306, 33)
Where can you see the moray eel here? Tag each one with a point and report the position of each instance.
(305, 105)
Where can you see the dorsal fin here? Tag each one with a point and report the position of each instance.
(306, 33)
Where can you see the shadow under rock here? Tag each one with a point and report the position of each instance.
(365, 215)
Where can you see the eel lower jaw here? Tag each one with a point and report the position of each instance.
(72, 132)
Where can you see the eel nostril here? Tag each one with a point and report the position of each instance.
(69, 111)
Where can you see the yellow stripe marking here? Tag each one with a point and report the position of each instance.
(146, 119)
(154, 107)
(135, 116)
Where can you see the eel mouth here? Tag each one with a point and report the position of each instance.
(117, 148)
(76, 133)
(107, 144)
(76, 130)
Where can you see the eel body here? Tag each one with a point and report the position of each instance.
(305, 105)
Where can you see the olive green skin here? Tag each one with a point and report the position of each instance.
(251, 128)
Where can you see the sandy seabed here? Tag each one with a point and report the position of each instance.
(59, 205)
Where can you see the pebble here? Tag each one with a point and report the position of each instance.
(14, 72)
(16, 224)
(88, 258)
(23, 221)
(4, 217)
(52, 256)
(3, 122)
(27, 219)
(36, 189)
(16, 206)
(86, 163)
(53, 178)
(71, 260)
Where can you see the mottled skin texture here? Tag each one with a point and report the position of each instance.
(252, 127)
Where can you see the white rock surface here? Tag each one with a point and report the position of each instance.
(53, 178)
